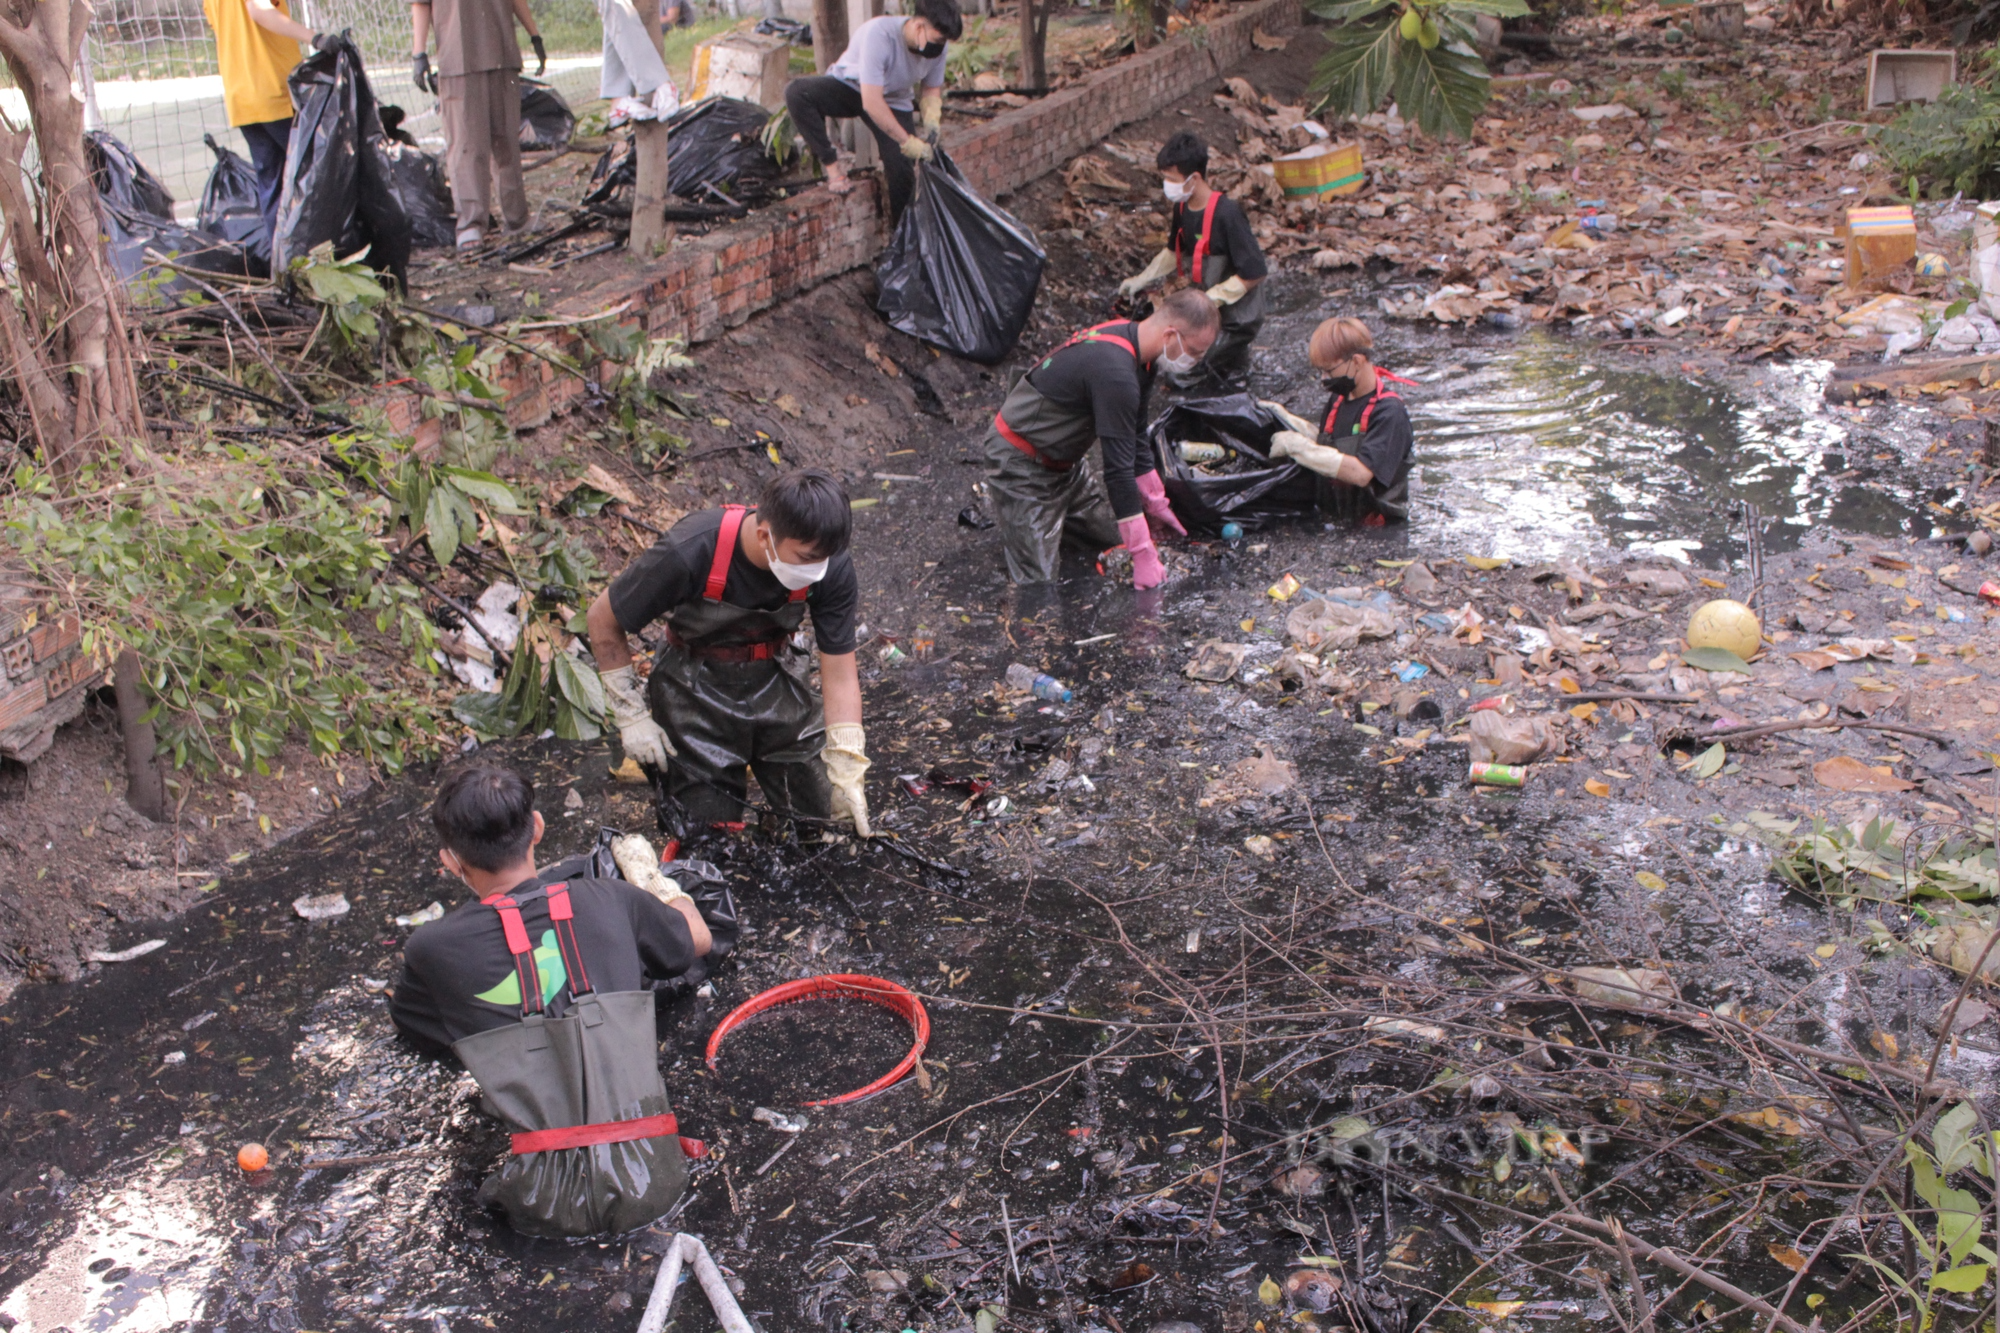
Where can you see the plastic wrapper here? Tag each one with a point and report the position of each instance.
(229, 210)
(959, 272)
(1247, 487)
(716, 142)
(138, 216)
(546, 120)
(338, 183)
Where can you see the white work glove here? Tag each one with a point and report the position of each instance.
(1162, 265)
(1307, 453)
(1229, 291)
(641, 868)
(917, 150)
(1292, 420)
(931, 109)
(642, 738)
(846, 758)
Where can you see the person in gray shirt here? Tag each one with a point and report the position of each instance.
(891, 65)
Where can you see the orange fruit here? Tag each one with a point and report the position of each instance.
(252, 1157)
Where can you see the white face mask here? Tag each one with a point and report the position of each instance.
(1175, 191)
(1178, 365)
(792, 576)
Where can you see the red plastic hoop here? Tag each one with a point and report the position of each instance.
(842, 986)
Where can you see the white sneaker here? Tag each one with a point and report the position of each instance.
(666, 99)
(470, 238)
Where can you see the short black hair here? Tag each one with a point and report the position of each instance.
(1186, 153)
(485, 815)
(944, 16)
(809, 505)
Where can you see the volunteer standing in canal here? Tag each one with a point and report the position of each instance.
(256, 49)
(1093, 387)
(728, 689)
(1364, 444)
(890, 65)
(540, 988)
(1210, 244)
(478, 85)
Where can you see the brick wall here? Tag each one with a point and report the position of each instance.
(43, 674)
(705, 286)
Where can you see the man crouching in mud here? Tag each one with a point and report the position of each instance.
(538, 986)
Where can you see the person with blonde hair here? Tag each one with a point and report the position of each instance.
(1364, 444)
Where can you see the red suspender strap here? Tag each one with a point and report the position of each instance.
(725, 548)
(563, 917)
(1094, 334)
(524, 955)
(610, 1131)
(1200, 265)
(1381, 392)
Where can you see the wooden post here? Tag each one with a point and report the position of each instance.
(1034, 36)
(649, 144)
(829, 32)
(144, 791)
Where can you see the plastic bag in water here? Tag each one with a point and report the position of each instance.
(138, 216)
(338, 183)
(1246, 486)
(546, 120)
(229, 208)
(718, 141)
(959, 272)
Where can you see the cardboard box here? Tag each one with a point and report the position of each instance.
(1908, 76)
(749, 65)
(1879, 241)
(1323, 169)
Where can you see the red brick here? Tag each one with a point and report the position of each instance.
(53, 636)
(19, 703)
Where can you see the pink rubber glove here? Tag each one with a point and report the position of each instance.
(1153, 492)
(1147, 571)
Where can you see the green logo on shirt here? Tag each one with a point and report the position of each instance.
(548, 964)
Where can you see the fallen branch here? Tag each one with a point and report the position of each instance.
(1820, 724)
(256, 344)
(1666, 1258)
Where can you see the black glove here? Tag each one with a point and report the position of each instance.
(541, 54)
(420, 73)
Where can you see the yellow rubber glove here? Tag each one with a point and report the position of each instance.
(916, 149)
(1162, 265)
(846, 759)
(1229, 291)
(931, 108)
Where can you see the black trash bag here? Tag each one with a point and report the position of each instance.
(338, 183)
(1248, 486)
(793, 31)
(700, 880)
(546, 120)
(716, 142)
(959, 272)
(417, 178)
(229, 208)
(138, 216)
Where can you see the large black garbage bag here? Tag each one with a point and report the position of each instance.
(546, 120)
(417, 178)
(138, 216)
(716, 142)
(338, 184)
(700, 880)
(1247, 486)
(229, 209)
(959, 272)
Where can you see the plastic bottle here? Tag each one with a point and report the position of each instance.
(1037, 683)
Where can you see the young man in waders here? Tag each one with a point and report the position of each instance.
(1093, 387)
(539, 988)
(729, 690)
(1210, 244)
(1364, 444)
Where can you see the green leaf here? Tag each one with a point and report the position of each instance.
(484, 713)
(1442, 89)
(442, 522)
(1715, 659)
(1969, 1278)
(579, 684)
(1709, 762)
(1505, 9)
(1958, 1224)
(486, 488)
(1952, 1137)
(1359, 69)
(1347, 11)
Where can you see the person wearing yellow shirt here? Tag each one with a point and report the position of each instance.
(257, 47)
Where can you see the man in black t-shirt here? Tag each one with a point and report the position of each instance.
(729, 690)
(1364, 444)
(1209, 242)
(1093, 387)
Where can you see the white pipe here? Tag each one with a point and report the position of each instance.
(688, 1249)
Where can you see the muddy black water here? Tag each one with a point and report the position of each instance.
(810, 1052)
(1095, 887)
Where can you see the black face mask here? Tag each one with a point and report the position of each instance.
(1340, 384)
(932, 51)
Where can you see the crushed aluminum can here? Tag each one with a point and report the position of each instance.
(1498, 775)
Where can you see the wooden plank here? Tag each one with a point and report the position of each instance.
(1848, 383)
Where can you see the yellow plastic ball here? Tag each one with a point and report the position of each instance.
(1725, 624)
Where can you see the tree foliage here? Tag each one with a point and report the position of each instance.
(1418, 51)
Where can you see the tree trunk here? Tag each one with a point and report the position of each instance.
(144, 790)
(66, 343)
(829, 32)
(649, 144)
(1034, 43)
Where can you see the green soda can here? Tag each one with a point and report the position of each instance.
(1498, 775)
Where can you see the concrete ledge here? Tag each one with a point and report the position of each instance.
(703, 287)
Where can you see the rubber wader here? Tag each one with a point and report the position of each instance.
(1227, 364)
(595, 1147)
(1033, 478)
(731, 691)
